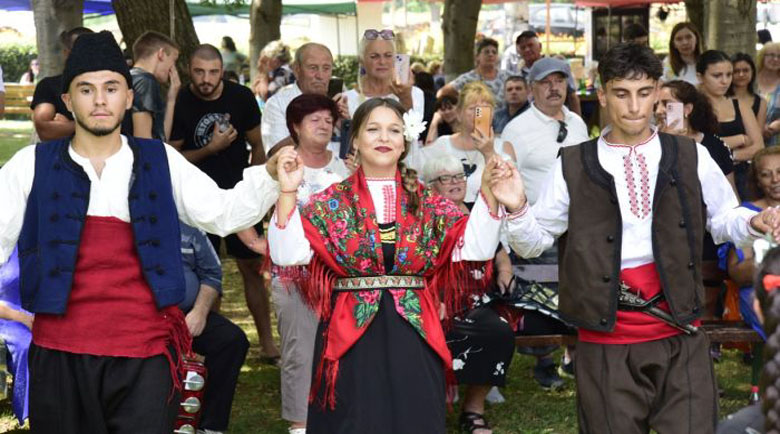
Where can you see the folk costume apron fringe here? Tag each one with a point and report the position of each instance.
(341, 225)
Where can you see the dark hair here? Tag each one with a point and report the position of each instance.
(151, 41)
(770, 307)
(304, 105)
(411, 183)
(227, 41)
(515, 78)
(424, 81)
(764, 36)
(710, 57)
(675, 60)
(207, 52)
(528, 34)
(68, 37)
(230, 76)
(484, 43)
(633, 31)
(629, 61)
(446, 99)
(702, 117)
(743, 57)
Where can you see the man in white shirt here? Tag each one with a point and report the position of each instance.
(313, 68)
(103, 275)
(538, 133)
(634, 205)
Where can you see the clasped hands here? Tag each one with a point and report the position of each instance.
(504, 182)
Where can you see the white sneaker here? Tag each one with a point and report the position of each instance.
(296, 430)
(495, 396)
(208, 431)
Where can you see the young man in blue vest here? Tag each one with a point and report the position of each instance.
(96, 217)
(634, 205)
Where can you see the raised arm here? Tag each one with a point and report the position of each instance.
(531, 231)
(286, 239)
(201, 203)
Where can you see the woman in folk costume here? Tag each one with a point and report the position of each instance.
(380, 252)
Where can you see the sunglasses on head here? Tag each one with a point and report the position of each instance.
(562, 132)
(373, 34)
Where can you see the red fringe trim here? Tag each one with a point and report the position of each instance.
(329, 371)
(454, 282)
(181, 341)
(316, 286)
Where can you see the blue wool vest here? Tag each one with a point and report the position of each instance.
(55, 214)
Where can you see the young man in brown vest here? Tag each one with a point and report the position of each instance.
(633, 205)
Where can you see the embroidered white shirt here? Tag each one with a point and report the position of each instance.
(530, 233)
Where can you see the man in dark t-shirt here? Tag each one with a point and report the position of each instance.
(155, 63)
(216, 126)
(51, 118)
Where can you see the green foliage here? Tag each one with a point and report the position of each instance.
(346, 67)
(15, 59)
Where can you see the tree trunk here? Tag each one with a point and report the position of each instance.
(53, 17)
(265, 20)
(695, 11)
(459, 26)
(137, 16)
(731, 26)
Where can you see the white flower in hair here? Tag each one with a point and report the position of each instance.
(414, 125)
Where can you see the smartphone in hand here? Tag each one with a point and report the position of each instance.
(674, 115)
(483, 119)
(402, 66)
(335, 86)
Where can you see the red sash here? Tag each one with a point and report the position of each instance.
(636, 327)
(111, 309)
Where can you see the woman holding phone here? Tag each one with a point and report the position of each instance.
(684, 111)
(379, 77)
(696, 120)
(470, 144)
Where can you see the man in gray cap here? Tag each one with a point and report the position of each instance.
(96, 217)
(536, 136)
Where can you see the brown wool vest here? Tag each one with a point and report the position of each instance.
(591, 249)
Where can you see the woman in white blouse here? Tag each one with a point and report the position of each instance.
(377, 78)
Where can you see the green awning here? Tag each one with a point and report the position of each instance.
(289, 7)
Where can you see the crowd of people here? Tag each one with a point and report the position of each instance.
(415, 228)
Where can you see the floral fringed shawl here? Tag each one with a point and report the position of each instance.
(341, 225)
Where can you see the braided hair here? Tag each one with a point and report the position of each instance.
(770, 307)
(411, 183)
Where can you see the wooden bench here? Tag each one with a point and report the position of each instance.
(720, 332)
(18, 98)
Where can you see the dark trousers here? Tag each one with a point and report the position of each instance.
(224, 345)
(79, 393)
(667, 385)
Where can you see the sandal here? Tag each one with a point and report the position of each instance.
(469, 422)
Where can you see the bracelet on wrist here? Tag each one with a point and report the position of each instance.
(288, 192)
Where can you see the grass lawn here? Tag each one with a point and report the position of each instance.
(256, 407)
(13, 135)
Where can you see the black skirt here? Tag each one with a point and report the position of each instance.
(482, 344)
(390, 381)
